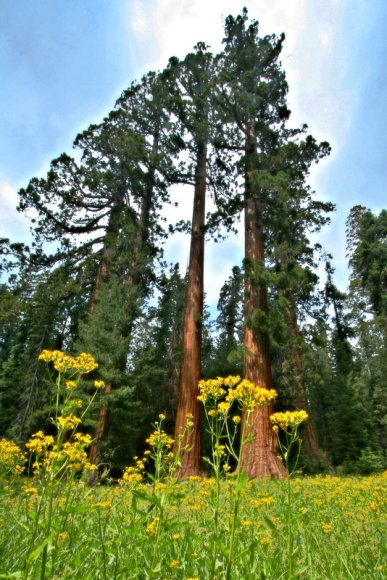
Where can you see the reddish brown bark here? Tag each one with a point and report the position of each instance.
(260, 457)
(94, 451)
(190, 369)
(301, 401)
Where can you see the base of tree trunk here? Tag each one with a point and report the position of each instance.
(261, 456)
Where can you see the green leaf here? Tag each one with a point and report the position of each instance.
(269, 523)
(36, 553)
(243, 481)
(153, 499)
(80, 509)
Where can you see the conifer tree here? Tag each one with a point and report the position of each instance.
(254, 95)
(193, 88)
(367, 251)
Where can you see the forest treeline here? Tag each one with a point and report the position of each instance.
(95, 278)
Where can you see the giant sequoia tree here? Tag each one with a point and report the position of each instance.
(275, 164)
(192, 105)
(254, 95)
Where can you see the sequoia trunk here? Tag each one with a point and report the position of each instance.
(94, 451)
(190, 369)
(301, 400)
(260, 455)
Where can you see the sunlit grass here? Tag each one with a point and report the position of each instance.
(110, 531)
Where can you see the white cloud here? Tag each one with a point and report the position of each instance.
(315, 58)
(13, 225)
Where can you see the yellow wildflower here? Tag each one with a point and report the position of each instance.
(250, 395)
(289, 419)
(11, 458)
(152, 527)
(211, 389)
(131, 476)
(31, 490)
(327, 528)
(219, 450)
(83, 363)
(99, 384)
(160, 438)
(82, 438)
(69, 422)
(103, 504)
(71, 385)
(39, 442)
(223, 408)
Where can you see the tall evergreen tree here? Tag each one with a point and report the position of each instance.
(193, 88)
(254, 94)
(367, 249)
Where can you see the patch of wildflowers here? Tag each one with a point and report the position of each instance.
(288, 419)
(39, 442)
(83, 363)
(160, 438)
(11, 458)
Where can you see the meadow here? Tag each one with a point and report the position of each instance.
(131, 530)
(151, 524)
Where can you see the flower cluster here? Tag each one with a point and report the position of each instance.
(69, 422)
(99, 384)
(131, 476)
(211, 389)
(232, 388)
(160, 439)
(40, 442)
(288, 419)
(11, 458)
(71, 455)
(83, 363)
(250, 395)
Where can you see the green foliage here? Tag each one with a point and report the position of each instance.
(370, 461)
(86, 282)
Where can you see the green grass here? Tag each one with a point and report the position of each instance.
(134, 530)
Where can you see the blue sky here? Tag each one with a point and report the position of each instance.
(63, 64)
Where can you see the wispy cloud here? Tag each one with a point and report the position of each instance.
(309, 58)
(13, 225)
